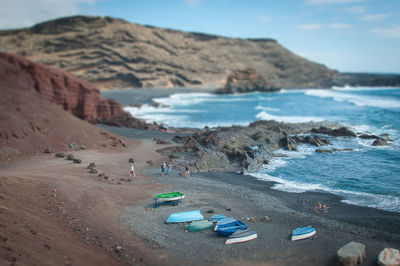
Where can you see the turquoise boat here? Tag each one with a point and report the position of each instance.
(303, 232)
(172, 196)
(182, 217)
(201, 225)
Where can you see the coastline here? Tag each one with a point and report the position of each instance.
(105, 222)
(247, 198)
(145, 95)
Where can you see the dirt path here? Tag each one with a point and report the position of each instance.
(53, 212)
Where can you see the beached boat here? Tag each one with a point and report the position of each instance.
(224, 221)
(230, 228)
(199, 225)
(172, 196)
(303, 232)
(241, 236)
(216, 217)
(188, 216)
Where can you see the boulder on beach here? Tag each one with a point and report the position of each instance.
(352, 253)
(389, 257)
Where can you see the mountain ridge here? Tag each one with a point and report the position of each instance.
(114, 53)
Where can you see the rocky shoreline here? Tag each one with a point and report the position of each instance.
(247, 149)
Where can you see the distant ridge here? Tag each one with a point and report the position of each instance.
(112, 53)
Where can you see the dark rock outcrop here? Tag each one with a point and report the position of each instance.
(67, 91)
(338, 132)
(248, 80)
(380, 142)
(237, 148)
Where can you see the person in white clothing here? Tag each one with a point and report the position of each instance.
(132, 170)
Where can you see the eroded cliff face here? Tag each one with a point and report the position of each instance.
(32, 98)
(114, 53)
(57, 86)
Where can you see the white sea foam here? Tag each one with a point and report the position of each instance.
(184, 99)
(383, 202)
(286, 185)
(349, 88)
(288, 119)
(259, 107)
(359, 100)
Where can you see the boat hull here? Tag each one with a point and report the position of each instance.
(170, 196)
(182, 217)
(230, 228)
(303, 232)
(241, 236)
(201, 225)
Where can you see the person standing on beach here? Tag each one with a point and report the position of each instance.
(163, 168)
(187, 172)
(132, 171)
(169, 168)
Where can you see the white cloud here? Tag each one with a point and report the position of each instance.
(308, 27)
(373, 17)
(322, 2)
(388, 32)
(22, 13)
(356, 10)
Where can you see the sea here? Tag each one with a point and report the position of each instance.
(365, 176)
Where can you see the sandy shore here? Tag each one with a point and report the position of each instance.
(56, 213)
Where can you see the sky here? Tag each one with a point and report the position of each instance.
(346, 35)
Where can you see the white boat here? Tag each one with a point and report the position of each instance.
(303, 232)
(241, 236)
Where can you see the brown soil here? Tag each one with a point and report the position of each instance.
(53, 212)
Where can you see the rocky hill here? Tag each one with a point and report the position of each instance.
(40, 107)
(113, 53)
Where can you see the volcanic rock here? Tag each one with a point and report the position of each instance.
(74, 95)
(351, 254)
(244, 81)
(339, 132)
(389, 257)
(380, 142)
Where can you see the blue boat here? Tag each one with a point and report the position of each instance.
(230, 228)
(224, 221)
(188, 216)
(303, 232)
(216, 217)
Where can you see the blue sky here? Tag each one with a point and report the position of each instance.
(347, 35)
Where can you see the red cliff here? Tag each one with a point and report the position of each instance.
(71, 93)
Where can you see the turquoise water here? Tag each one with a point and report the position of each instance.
(366, 176)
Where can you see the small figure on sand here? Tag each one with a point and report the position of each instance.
(187, 172)
(321, 208)
(163, 168)
(132, 170)
(169, 168)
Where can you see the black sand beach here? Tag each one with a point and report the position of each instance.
(250, 199)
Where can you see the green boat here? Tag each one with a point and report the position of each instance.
(199, 225)
(172, 196)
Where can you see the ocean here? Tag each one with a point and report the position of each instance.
(365, 176)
